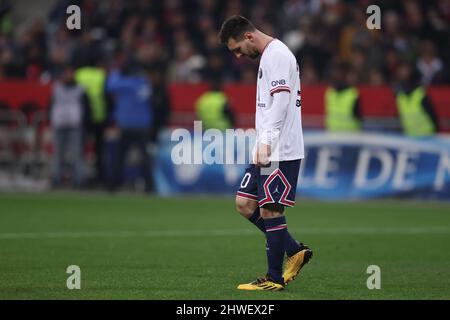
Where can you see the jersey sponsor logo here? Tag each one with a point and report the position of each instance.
(280, 82)
(261, 105)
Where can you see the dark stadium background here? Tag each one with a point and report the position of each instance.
(184, 240)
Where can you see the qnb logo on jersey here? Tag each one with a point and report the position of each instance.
(281, 82)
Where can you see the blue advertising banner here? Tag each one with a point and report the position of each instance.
(336, 166)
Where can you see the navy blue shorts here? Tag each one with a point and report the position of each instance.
(278, 186)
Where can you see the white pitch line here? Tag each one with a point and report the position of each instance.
(125, 234)
(224, 232)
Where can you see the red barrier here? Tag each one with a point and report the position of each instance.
(441, 100)
(375, 101)
(15, 93)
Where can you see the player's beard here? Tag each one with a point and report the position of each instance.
(254, 55)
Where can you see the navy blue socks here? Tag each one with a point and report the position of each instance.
(292, 247)
(257, 220)
(276, 237)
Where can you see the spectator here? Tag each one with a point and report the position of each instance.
(187, 65)
(429, 64)
(392, 59)
(216, 68)
(185, 34)
(69, 114)
(60, 48)
(360, 65)
(86, 49)
(34, 51)
(308, 73)
(376, 77)
(248, 73)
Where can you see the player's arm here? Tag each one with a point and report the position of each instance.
(274, 114)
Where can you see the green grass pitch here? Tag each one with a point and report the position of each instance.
(136, 247)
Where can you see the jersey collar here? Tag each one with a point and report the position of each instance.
(267, 44)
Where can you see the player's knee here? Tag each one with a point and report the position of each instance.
(245, 207)
(272, 210)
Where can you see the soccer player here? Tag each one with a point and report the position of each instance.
(269, 184)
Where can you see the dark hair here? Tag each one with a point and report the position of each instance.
(235, 27)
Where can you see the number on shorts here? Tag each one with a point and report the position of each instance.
(246, 180)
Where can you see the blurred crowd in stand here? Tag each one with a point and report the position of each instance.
(182, 37)
(115, 70)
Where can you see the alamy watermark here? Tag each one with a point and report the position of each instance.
(230, 146)
(374, 280)
(74, 280)
(374, 20)
(73, 21)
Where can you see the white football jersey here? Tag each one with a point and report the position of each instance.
(279, 71)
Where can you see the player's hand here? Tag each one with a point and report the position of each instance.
(262, 155)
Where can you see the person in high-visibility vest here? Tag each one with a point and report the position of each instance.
(414, 107)
(213, 108)
(342, 112)
(92, 78)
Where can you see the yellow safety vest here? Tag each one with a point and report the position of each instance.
(210, 109)
(339, 110)
(415, 121)
(93, 80)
